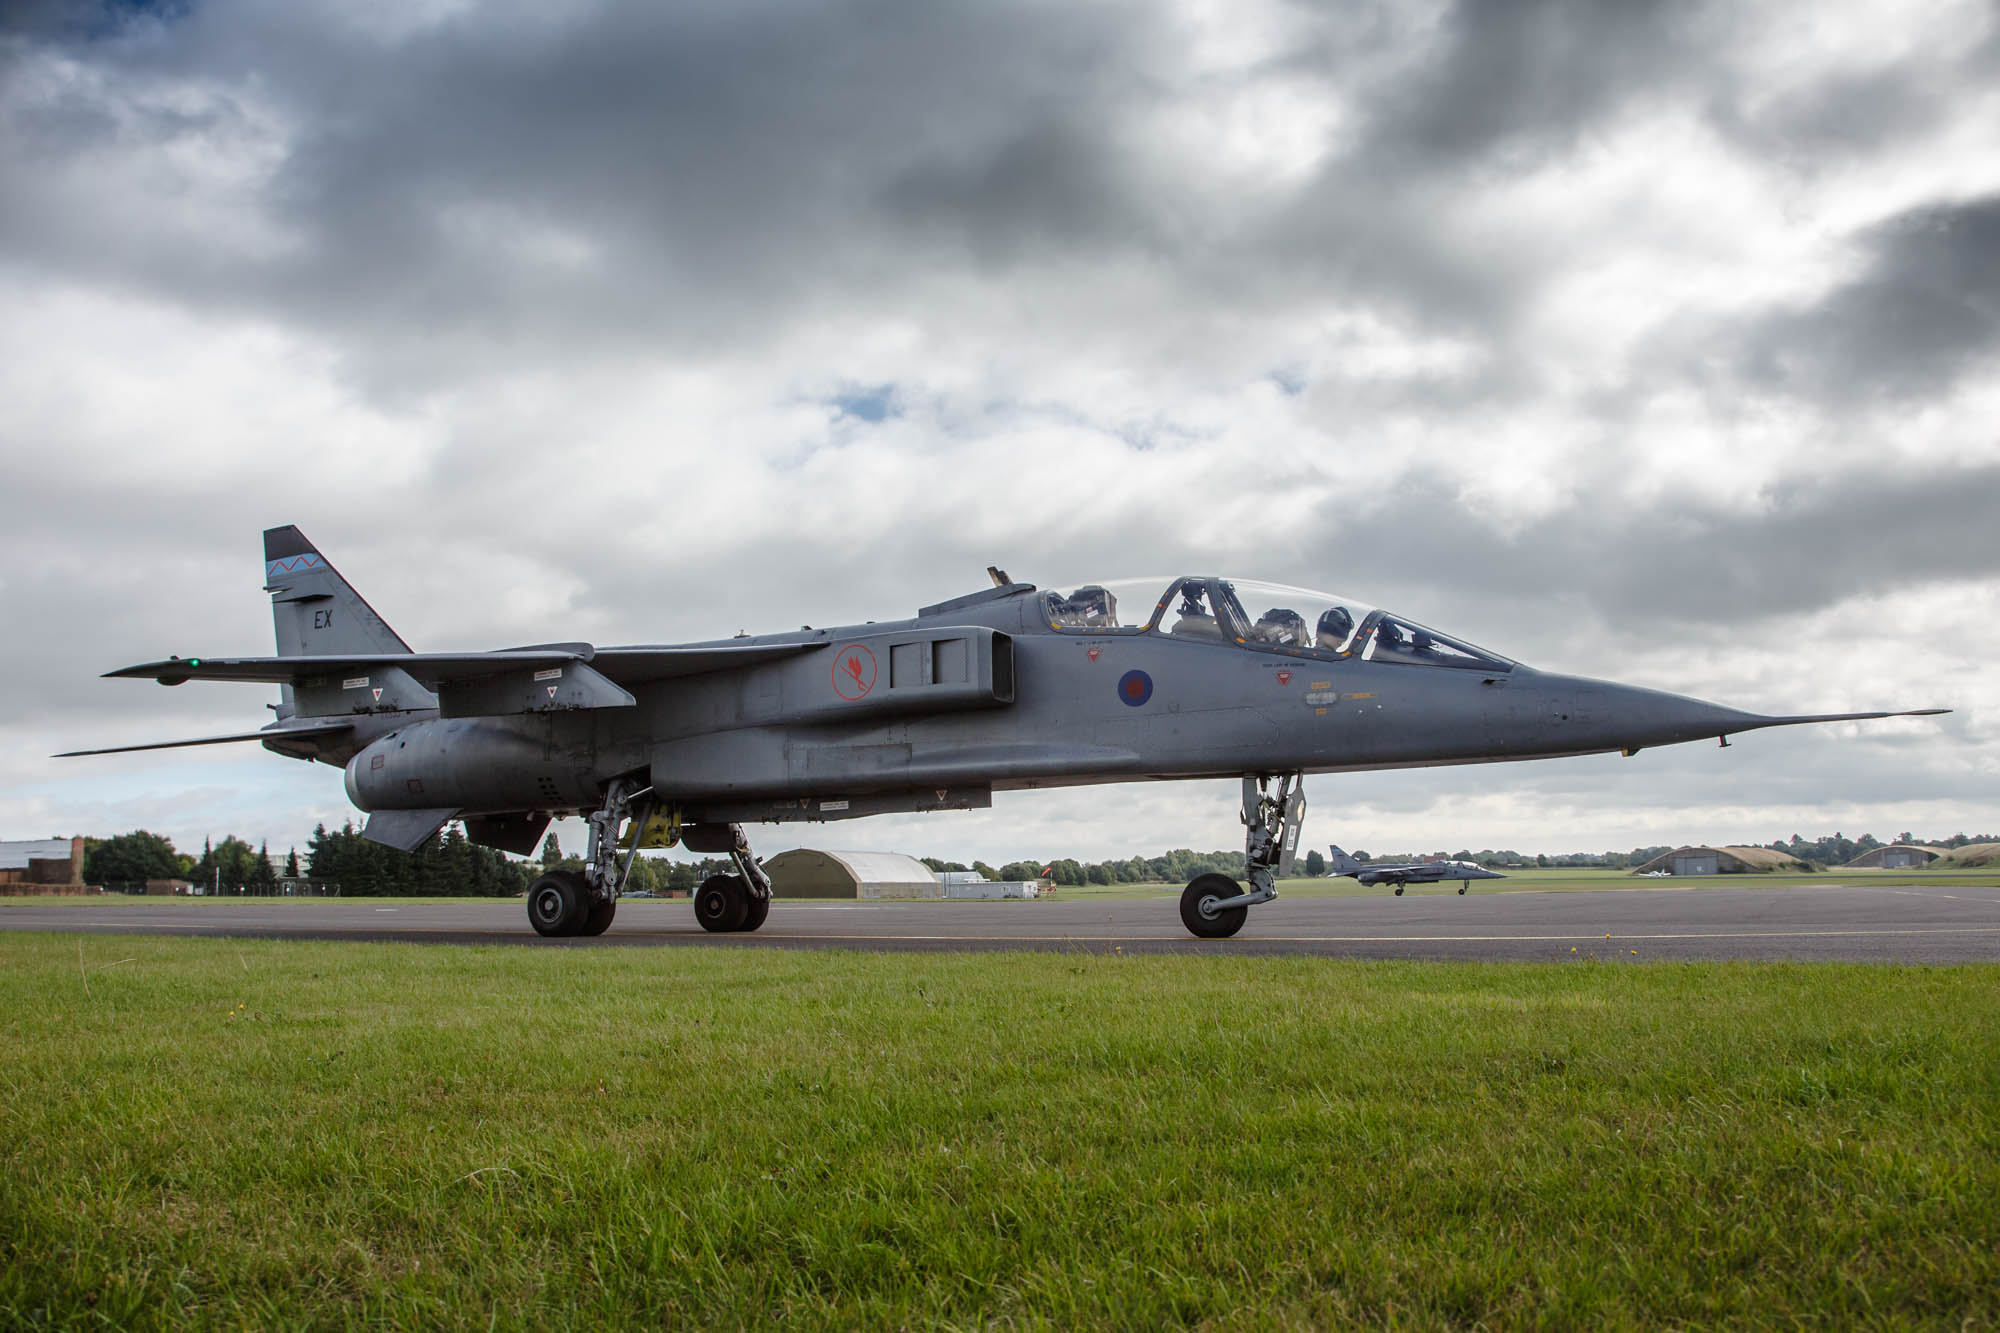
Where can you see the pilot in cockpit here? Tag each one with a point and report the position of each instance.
(1195, 618)
(1335, 624)
(1283, 627)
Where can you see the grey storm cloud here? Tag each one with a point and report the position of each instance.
(1924, 310)
(1682, 560)
(574, 320)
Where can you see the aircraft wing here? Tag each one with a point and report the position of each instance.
(624, 665)
(645, 663)
(428, 668)
(285, 731)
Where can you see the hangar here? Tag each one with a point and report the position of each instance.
(1972, 854)
(810, 873)
(1719, 861)
(1900, 857)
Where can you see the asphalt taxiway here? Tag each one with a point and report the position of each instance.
(1901, 923)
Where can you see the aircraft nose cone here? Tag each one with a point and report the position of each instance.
(1609, 715)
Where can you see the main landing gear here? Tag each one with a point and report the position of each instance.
(568, 903)
(1214, 907)
(727, 903)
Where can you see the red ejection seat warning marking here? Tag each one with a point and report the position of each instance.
(853, 672)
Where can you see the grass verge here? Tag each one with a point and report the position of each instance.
(213, 1132)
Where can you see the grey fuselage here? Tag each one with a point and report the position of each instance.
(995, 697)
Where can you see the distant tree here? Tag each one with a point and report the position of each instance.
(551, 852)
(986, 870)
(262, 875)
(1315, 863)
(292, 864)
(131, 858)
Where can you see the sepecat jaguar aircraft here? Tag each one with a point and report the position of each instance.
(1007, 688)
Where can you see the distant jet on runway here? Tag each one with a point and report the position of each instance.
(1410, 872)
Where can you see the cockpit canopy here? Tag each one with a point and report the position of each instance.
(1266, 617)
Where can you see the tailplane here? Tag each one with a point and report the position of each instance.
(1340, 863)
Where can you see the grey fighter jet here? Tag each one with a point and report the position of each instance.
(1006, 688)
(1408, 872)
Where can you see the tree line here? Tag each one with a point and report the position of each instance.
(451, 866)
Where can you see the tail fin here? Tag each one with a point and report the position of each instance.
(1340, 863)
(317, 613)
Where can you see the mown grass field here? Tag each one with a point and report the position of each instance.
(270, 1134)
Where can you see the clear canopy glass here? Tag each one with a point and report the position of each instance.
(1266, 617)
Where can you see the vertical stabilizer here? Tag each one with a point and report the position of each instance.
(316, 611)
(1340, 863)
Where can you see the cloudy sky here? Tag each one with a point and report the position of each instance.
(1653, 342)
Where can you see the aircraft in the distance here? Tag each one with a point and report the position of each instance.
(1408, 872)
(1007, 688)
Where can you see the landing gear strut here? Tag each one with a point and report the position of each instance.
(1215, 906)
(564, 902)
(727, 903)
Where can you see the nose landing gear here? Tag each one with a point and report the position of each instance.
(1215, 906)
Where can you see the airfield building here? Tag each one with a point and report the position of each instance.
(1970, 855)
(1899, 857)
(49, 865)
(809, 873)
(1719, 861)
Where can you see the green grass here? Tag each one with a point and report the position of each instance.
(270, 1134)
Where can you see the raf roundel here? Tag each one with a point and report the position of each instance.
(1135, 687)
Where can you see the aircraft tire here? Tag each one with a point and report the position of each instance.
(597, 919)
(722, 903)
(1213, 888)
(1399, 890)
(1461, 890)
(759, 909)
(558, 904)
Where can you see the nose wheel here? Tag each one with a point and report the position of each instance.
(1200, 914)
(1214, 906)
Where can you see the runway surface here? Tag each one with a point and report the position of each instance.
(1904, 923)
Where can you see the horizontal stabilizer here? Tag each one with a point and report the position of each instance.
(405, 830)
(290, 731)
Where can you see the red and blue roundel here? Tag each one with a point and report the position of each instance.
(1135, 687)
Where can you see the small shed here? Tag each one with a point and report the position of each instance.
(807, 872)
(1719, 861)
(1902, 856)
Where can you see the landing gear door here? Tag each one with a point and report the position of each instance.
(1294, 821)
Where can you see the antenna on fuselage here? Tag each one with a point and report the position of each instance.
(998, 575)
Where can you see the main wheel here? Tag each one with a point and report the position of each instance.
(598, 919)
(1399, 890)
(558, 903)
(722, 903)
(1461, 890)
(759, 909)
(1198, 913)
